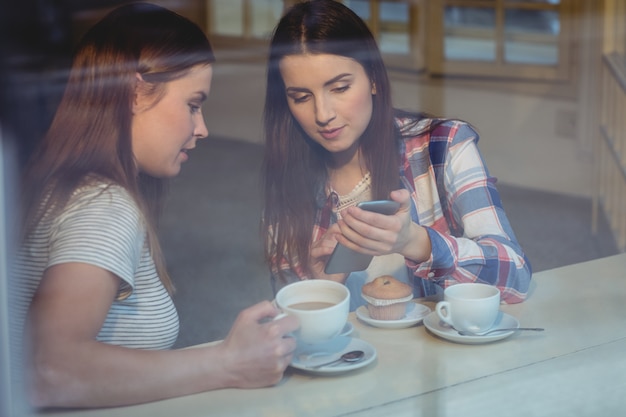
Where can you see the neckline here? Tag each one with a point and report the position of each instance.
(362, 191)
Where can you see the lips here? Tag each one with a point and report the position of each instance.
(329, 134)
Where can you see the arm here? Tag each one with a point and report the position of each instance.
(477, 242)
(69, 368)
(467, 238)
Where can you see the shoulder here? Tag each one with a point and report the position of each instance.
(437, 132)
(453, 131)
(434, 138)
(100, 205)
(411, 125)
(99, 195)
(433, 127)
(100, 218)
(95, 188)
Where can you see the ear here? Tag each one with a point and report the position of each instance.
(138, 97)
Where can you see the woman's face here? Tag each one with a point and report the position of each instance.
(331, 98)
(164, 131)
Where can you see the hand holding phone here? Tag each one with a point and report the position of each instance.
(343, 259)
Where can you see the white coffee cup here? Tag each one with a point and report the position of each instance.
(322, 307)
(472, 307)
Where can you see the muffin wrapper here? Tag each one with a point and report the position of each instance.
(390, 312)
(380, 302)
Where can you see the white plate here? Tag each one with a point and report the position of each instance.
(443, 330)
(307, 356)
(347, 329)
(414, 314)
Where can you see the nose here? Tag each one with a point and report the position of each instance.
(201, 131)
(324, 111)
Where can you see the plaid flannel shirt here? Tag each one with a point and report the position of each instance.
(455, 199)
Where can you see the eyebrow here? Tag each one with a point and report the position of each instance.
(202, 95)
(326, 84)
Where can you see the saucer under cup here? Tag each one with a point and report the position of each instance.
(321, 306)
(472, 307)
(309, 357)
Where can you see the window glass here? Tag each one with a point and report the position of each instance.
(552, 2)
(394, 27)
(531, 36)
(265, 15)
(360, 7)
(227, 17)
(469, 33)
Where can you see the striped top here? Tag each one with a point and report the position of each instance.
(102, 226)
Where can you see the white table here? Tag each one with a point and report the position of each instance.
(576, 367)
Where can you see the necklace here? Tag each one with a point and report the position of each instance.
(361, 192)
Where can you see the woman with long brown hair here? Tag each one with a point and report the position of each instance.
(93, 290)
(333, 139)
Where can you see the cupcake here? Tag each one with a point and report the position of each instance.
(386, 298)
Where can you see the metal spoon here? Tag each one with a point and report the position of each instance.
(350, 357)
(468, 333)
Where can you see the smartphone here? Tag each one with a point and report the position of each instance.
(343, 259)
(380, 206)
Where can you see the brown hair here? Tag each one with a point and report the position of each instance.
(90, 136)
(295, 167)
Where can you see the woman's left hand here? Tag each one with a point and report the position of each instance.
(379, 234)
(320, 253)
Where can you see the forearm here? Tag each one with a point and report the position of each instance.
(94, 374)
(495, 260)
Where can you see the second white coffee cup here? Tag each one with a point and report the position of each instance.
(322, 307)
(472, 307)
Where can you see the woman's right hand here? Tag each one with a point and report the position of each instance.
(257, 350)
(320, 254)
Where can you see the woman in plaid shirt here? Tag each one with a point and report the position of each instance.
(333, 139)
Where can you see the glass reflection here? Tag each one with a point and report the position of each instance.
(227, 17)
(394, 28)
(553, 2)
(265, 14)
(531, 36)
(393, 33)
(360, 7)
(469, 33)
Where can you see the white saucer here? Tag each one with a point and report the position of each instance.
(347, 329)
(445, 331)
(307, 356)
(415, 313)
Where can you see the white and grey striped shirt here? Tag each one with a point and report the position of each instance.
(102, 226)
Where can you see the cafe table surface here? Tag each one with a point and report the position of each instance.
(576, 367)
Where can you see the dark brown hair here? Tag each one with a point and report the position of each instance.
(295, 167)
(90, 136)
